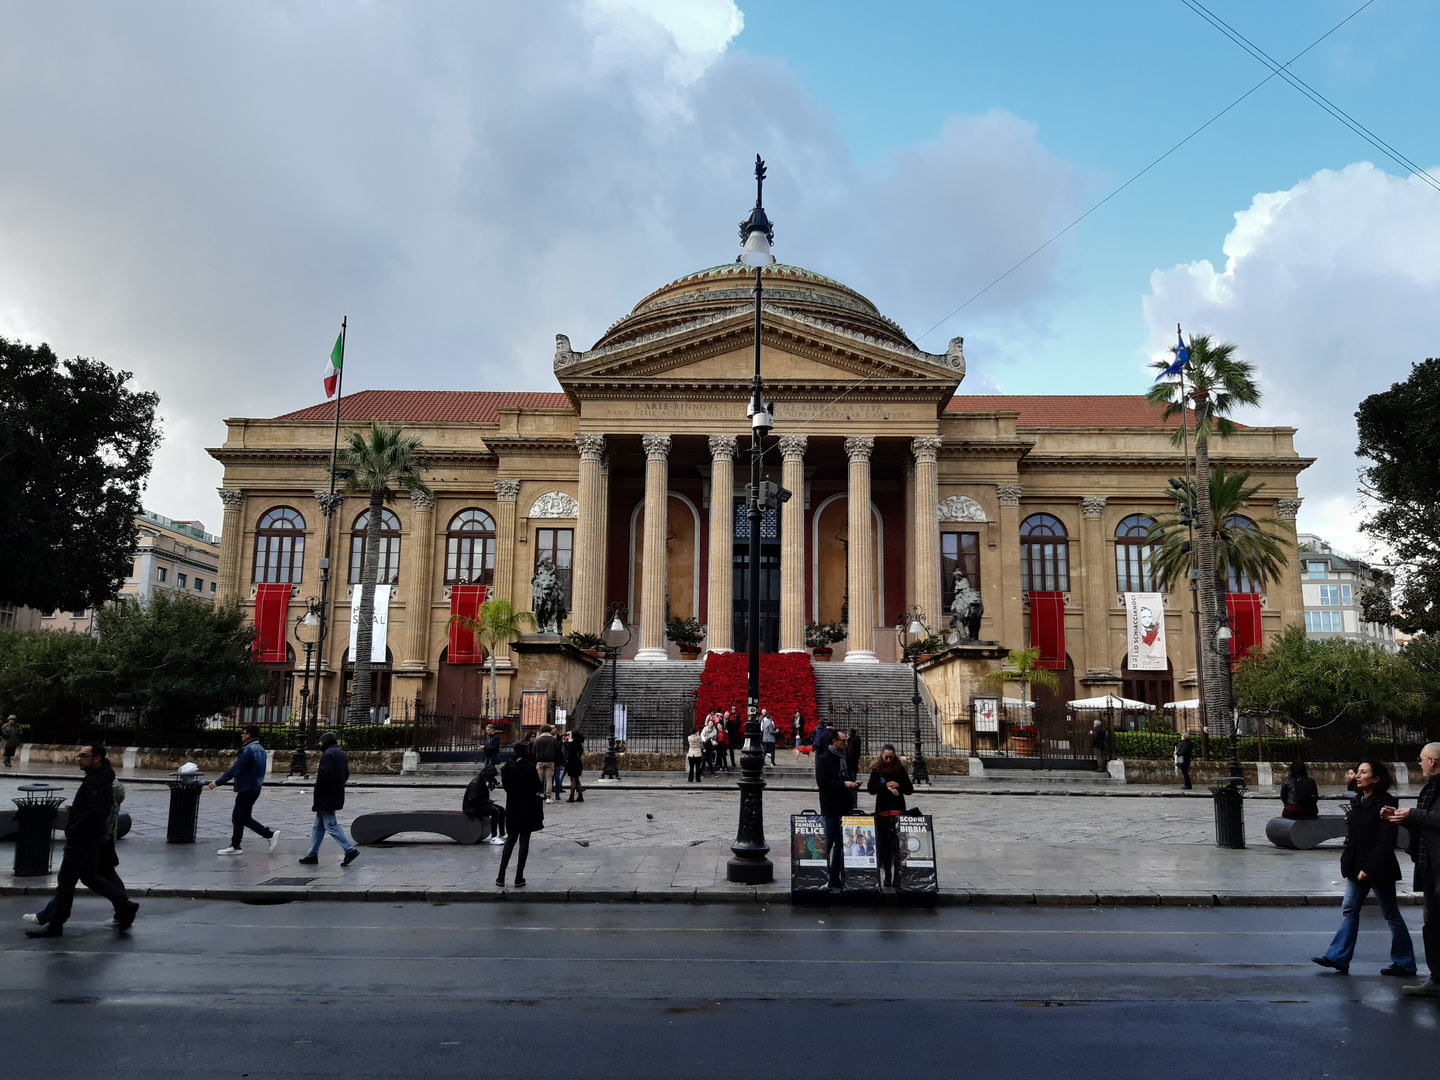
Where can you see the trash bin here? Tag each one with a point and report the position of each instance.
(184, 808)
(1229, 816)
(35, 816)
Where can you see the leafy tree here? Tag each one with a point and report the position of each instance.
(75, 449)
(500, 621)
(1020, 669)
(1213, 382)
(379, 466)
(1239, 547)
(1319, 683)
(1399, 433)
(49, 676)
(1423, 654)
(177, 659)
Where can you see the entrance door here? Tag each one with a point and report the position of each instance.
(769, 579)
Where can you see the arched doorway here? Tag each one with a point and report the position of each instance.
(1155, 688)
(460, 688)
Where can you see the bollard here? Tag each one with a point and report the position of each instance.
(184, 808)
(35, 815)
(1229, 816)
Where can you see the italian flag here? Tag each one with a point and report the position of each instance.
(332, 369)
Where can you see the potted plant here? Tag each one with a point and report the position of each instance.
(687, 634)
(1021, 668)
(820, 636)
(593, 644)
(1023, 738)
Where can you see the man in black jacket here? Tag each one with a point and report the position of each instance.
(1423, 821)
(85, 830)
(837, 798)
(330, 780)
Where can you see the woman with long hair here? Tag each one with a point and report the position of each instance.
(889, 783)
(1299, 794)
(1368, 863)
(524, 809)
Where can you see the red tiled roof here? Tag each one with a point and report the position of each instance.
(1067, 410)
(435, 406)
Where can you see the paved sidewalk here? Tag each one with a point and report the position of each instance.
(659, 845)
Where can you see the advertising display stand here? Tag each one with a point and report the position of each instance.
(918, 879)
(809, 873)
(862, 866)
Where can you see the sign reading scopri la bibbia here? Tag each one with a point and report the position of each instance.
(1145, 631)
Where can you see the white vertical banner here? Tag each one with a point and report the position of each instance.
(378, 626)
(620, 718)
(1145, 631)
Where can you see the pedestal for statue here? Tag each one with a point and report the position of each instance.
(551, 662)
(954, 675)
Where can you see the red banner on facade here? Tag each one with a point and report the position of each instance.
(272, 600)
(464, 600)
(1047, 628)
(1244, 612)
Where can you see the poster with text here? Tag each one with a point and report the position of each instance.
(378, 625)
(1145, 631)
(862, 863)
(809, 871)
(915, 837)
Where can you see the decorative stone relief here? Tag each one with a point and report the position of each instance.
(1287, 509)
(925, 448)
(1009, 494)
(961, 508)
(859, 446)
(722, 446)
(231, 498)
(507, 490)
(656, 446)
(423, 501)
(955, 354)
(591, 447)
(792, 447)
(564, 354)
(1093, 507)
(555, 504)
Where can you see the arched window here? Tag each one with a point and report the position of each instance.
(1044, 555)
(280, 546)
(1240, 583)
(1133, 552)
(470, 549)
(389, 548)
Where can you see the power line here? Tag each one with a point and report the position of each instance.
(1143, 171)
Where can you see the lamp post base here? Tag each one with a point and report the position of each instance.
(298, 765)
(610, 767)
(751, 864)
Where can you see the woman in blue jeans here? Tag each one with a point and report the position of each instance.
(1368, 862)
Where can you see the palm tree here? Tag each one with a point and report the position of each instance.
(1213, 382)
(1020, 668)
(1243, 547)
(500, 621)
(378, 466)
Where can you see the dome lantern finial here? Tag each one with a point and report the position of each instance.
(756, 231)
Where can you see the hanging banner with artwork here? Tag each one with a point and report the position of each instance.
(464, 600)
(1145, 632)
(378, 626)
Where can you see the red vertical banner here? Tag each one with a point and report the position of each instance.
(1244, 612)
(464, 600)
(1047, 628)
(272, 599)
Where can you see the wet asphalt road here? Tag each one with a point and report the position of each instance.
(533, 990)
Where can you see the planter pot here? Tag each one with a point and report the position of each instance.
(690, 654)
(1023, 745)
(821, 655)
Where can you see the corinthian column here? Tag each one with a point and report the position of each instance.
(1012, 620)
(720, 612)
(232, 534)
(652, 561)
(1097, 570)
(792, 546)
(503, 583)
(861, 646)
(927, 527)
(1292, 603)
(585, 616)
(419, 589)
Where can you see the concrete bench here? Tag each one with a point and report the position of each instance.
(1302, 834)
(373, 828)
(8, 828)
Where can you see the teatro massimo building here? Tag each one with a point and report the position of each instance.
(629, 477)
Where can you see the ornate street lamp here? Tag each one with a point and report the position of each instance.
(915, 632)
(308, 627)
(610, 769)
(751, 864)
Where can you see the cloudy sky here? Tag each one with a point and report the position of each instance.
(196, 192)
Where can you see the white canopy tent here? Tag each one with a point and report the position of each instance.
(1189, 703)
(1109, 701)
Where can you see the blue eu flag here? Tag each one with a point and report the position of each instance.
(1182, 356)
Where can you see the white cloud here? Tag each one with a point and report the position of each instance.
(1331, 288)
(197, 193)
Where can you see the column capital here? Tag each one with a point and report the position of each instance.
(591, 447)
(231, 498)
(1093, 506)
(722, 446)
(657, 447)
(507, 490)
(329, 502)
(1287, 509)
(1009, 494)
(792, 447)
(859, 447)
(925, 447)
(423, 500)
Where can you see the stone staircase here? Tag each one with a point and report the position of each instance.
(638, 685)
(882, 687)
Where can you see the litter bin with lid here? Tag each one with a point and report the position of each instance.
(184, 807)
(1229, 815)
(35, 813)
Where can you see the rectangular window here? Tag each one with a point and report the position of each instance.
(77, 614)
(179, 581)
(159, 573)
(1315, 569)
(1346, 596)
(958, 551)
(199, 585)
(1324, 622)
(556, 545)
(212, 588)
(1330, 594)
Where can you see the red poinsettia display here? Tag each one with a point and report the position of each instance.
(787, 686)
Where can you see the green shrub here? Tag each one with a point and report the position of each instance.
(1150, 745)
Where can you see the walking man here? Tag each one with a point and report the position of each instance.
(10, 733)
(547, 753)
(1097, 743)
(1183, 753)
(1423, 821)
(492, 746)
(767, 736)
(330, 779)
(85, 829)
(837, 798)
(248, 773)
